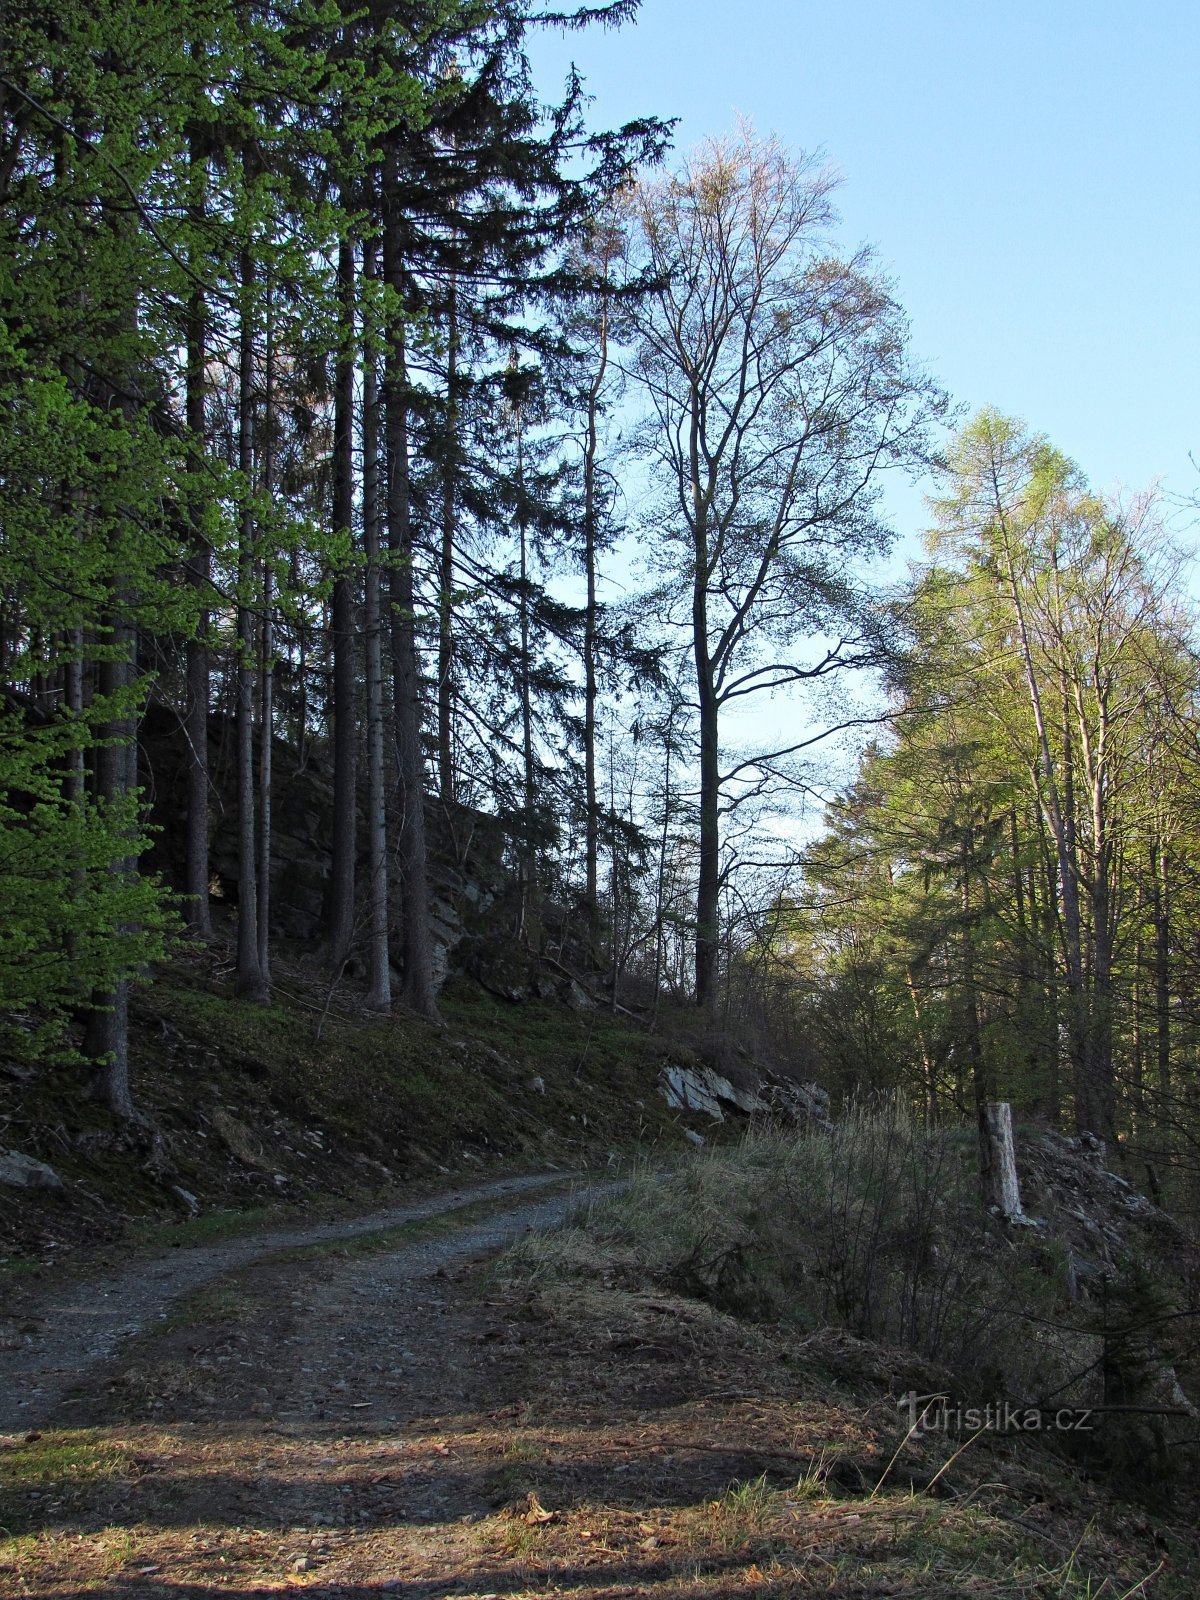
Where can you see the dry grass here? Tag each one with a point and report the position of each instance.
(873, 1227)
(173, 1522)
(562, 1427)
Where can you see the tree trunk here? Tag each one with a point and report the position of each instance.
(196, 910)
(445, 691)
(266, 673)
(660, 887)
(1001, 1188)
(1031, 999)
(615, 899)
(418, 990)
(928, 1076)
(107, 1041)
(251, 983)
(708, 888)
(379, 978)
(591, 445)
(1050, 924)
(1058, 811)
(530, 930)
(1160, 911)
(981, 1080)
(1137, 1007)
(345, 791)
(708, 892)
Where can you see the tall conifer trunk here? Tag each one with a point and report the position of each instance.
(529, 929)
(250, 980)
(266, 673)
(115, 759)
(379, 995)
(199, 573)
(445, 697)
(418, 990)
(107, 1042)
(345, 795)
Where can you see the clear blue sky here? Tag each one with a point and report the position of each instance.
(1029, 174)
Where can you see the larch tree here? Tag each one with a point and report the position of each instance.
(1068, 593)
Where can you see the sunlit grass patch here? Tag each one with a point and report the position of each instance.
(744, 1510)
(42, 1476)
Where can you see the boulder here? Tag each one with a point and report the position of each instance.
(238, 1139)
(24, 1172)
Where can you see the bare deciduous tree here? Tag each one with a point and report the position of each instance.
(779, 384)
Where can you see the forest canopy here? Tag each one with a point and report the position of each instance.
(341, 376)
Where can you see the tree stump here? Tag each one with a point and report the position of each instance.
(998, 1161)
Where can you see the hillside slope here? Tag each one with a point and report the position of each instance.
(314, 1104)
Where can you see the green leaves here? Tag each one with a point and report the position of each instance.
(71, 924)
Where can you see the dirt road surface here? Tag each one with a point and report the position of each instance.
(69, 1331)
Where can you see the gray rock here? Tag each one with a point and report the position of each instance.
(574, 995)
(806, 1102)
(23, 1172)
(688, 1089)
(439, 961)
(702, 1089)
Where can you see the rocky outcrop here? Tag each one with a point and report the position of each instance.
(1098, 1217)
(467, 870)
(703, 1089)
(695, 1087)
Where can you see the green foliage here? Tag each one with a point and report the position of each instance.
(72, 925)
(987, 908)
(80, 520)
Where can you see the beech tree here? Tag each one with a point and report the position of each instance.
(779, 384)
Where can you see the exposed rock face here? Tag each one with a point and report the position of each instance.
(23, 1172)
(1096, 1213)
(702, 1088)
(467, 877)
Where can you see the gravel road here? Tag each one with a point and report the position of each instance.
(78, 1325)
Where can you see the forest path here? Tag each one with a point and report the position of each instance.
(72, 1328)
(378, 1407)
